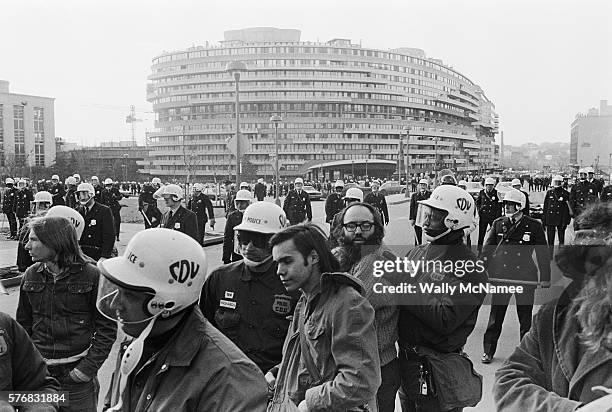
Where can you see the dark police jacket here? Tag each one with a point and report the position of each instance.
(379, 202)
(71, 200)
(22, 368)
(297, 206)
(333, 204)
(252, 309)
(58, 192)
(233, 220)
(22, 205)
(488, 205)
(508, 250)
(10, 198)
(200, 205)
(98, 236)
(414, 199)
(606, 194)
(582, 194)
(183, 220)
(556, 210)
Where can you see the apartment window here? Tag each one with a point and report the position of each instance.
(18, 127)
(39, 136)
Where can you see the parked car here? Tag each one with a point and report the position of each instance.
(474, 189)
(312, 192)
(392, 187)
(536, 211)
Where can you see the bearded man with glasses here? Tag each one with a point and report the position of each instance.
(246, 299)
(361, 248)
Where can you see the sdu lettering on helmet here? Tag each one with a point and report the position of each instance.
(183, 270)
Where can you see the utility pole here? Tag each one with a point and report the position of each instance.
(131, 119)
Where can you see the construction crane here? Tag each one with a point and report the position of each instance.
(131, 119)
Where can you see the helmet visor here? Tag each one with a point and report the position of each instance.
(126, 305)
(431, 216)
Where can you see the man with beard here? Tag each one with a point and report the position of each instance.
(376, 199)
(434, 327)
(353, 195)
(361, 245)
(567, 354)
(246, 300)
(556, 212)
(334, 202)
(489, 208)
(422, 194)
(582, 194)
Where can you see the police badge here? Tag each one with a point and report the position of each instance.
(282, 304)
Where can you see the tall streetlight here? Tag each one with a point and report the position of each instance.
(435, 140)
(125, 157)
(236, 68)
(275, 120)
(406, 131)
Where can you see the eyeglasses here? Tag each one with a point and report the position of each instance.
(364, 226)
(259, 240)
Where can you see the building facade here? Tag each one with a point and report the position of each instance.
(27, 130)
(338, 101)
(591, 138)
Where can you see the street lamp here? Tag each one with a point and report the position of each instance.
(125, 157)
(235, 68)
(406, 131)
(275, 120)
(435, 140)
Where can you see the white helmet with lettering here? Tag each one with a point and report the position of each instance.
(459, 204)
(71, 214)
(515, 196)
(263, 217)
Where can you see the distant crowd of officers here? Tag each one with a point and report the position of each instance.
(290, 320)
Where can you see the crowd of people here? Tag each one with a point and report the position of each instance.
(298, 316)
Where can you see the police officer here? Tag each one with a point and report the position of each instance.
(260, 190)
(231, 248)
(422, 194)
(376, 199)
(98, 238)
(334, 202)
(597, 183)
(556, 212)
(508, 254)
(246, 300)
(22, 204)
(57, 190)
(201, 205)
(77, 178)
(173, 359)
(582, 194)
(489, 209)
(110, 196)
(97, 188)
(8, 206)
(71, 197)
(297, 204)
(177, 217)
(147, 204)
(516, 184)
(230, 194)
(462, 184)
(41, 204)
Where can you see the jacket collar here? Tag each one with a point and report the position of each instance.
(330, 278)
(194, 327)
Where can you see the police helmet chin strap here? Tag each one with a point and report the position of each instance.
(130, 360)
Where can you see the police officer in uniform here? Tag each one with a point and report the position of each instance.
(297, 204)
(489, 209)
(556, 212)
(22, 204)
(97, 188)
(260, 190)
(231, 248)
(582, 194)
(201, 205)
(147, 204)
(422, 194)
(246, 300)
(606, 193)
(71, 197)
(508, 254)
(334, 202)
(8, 207)
(230, 194)
(177, 217)
(57, 190)
(376, 199)
(110, 196)
(516, 184)
(597, 183)
(98, 238)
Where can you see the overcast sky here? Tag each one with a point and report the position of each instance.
(539, 61)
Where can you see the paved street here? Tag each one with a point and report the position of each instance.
(397, 233)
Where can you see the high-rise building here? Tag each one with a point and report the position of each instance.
(591, 138)
(339, 102)
(27, 129)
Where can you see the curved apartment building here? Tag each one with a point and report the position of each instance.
(338, 102)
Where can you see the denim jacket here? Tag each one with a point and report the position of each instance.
(61, 317)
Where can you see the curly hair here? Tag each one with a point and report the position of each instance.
(379, 227)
